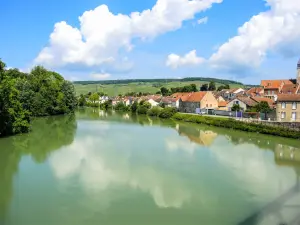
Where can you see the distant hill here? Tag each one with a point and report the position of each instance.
(128, 81)
(116, 87)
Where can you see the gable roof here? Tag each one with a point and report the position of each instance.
(274, 84)
(288, 98)
(194, 96)
(222, 104)
(247, 100)
(255, 91)
(264, 99)
(289, 89)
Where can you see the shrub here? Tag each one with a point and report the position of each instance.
(120, 106)
(134, 107)
(142, 109)
(155, 111)
(167, 112)
(238, 125)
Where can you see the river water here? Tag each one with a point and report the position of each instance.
(113, 169)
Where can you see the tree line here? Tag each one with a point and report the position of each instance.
(128, 81)
(38, 93)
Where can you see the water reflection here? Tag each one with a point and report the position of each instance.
(123, 167)
(48, 135)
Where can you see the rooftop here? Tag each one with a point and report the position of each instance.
(288, 98)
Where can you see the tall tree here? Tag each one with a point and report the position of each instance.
(164, 91)
(204, 87)
(212, 86)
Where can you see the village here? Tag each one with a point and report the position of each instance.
(272, 100)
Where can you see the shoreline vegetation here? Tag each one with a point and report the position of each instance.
(144, 108)
(34, 94)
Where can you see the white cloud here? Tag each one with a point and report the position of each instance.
(276, 30)
(102, 34)
(190, 59)
(100, 76)
(202, 20)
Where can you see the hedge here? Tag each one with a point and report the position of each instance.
(238, 125)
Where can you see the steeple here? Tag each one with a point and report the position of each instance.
(298, 72)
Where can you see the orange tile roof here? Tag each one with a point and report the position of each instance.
(274, 84)
(288, 98)
(194, 97)
(222, 104)
(255, 90)
(289, 89)
(264, 99)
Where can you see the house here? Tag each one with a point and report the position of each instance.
(243, 101)
(273, 87)
(264, 99)
(222, 106)
(289, 89)
(128, 101)
(218, 96)
(288, 108)
(152, 102)
(229, 94)
(197, 101)
(255, 92)
(169, 101)
(177, 97)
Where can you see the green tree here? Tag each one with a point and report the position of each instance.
(81, 100)
(212, 86)
(262, 107)
(236, 107)
(222, 87)
(204, 87)
(94, 97)
(164, 91)
(134, 107)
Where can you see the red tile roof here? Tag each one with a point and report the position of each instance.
(222, 104)
(289, 89)
(194, 97)
(264, 99)
(274, 84)
(255, 91)
(288, 98)
(248, 101)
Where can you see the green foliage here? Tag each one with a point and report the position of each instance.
(212, 86)
(236, 108)
(142, 109)
(155, 111)
(164, 91)
(107, 105)
(94, 97)
(222, 87)
(238, 125)
(167, 112)
(147, 105)
(134, 107)
(39, 93)
(204, 87)
(120, 106)
(262, 107)
(81, 100)
(187, 88)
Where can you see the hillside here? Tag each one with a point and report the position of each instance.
(116, 87)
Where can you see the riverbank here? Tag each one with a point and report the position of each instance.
(237, 125)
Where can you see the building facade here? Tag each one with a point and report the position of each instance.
(288, 108)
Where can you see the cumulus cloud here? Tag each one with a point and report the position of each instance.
(202, 20)
(190, 59)
(275, 31)
(100, 76)
(102, 34)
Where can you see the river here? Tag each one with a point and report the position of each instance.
(113, 169)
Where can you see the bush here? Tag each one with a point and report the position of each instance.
(238, 125)
(120, 106)
(167, 112)
(134, 107)
(142, 109)
(155, 111)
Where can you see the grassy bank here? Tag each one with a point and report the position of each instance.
(237, 125)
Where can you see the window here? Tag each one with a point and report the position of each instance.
(206, 105)
(273, 92)
(210, 105)
(283, 105)
(282, 115)
(269, 92)
(294, 116)
(294, 105)
(236, 103)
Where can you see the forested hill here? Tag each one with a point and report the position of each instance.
(128, 81)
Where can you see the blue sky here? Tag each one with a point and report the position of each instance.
(245, 40)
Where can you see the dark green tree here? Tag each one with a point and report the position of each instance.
(164, 91)
(204, 87)
(236, 108)
(212, 86)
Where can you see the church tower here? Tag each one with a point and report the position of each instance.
(298, 72)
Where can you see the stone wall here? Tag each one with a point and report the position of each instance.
(188, 107)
